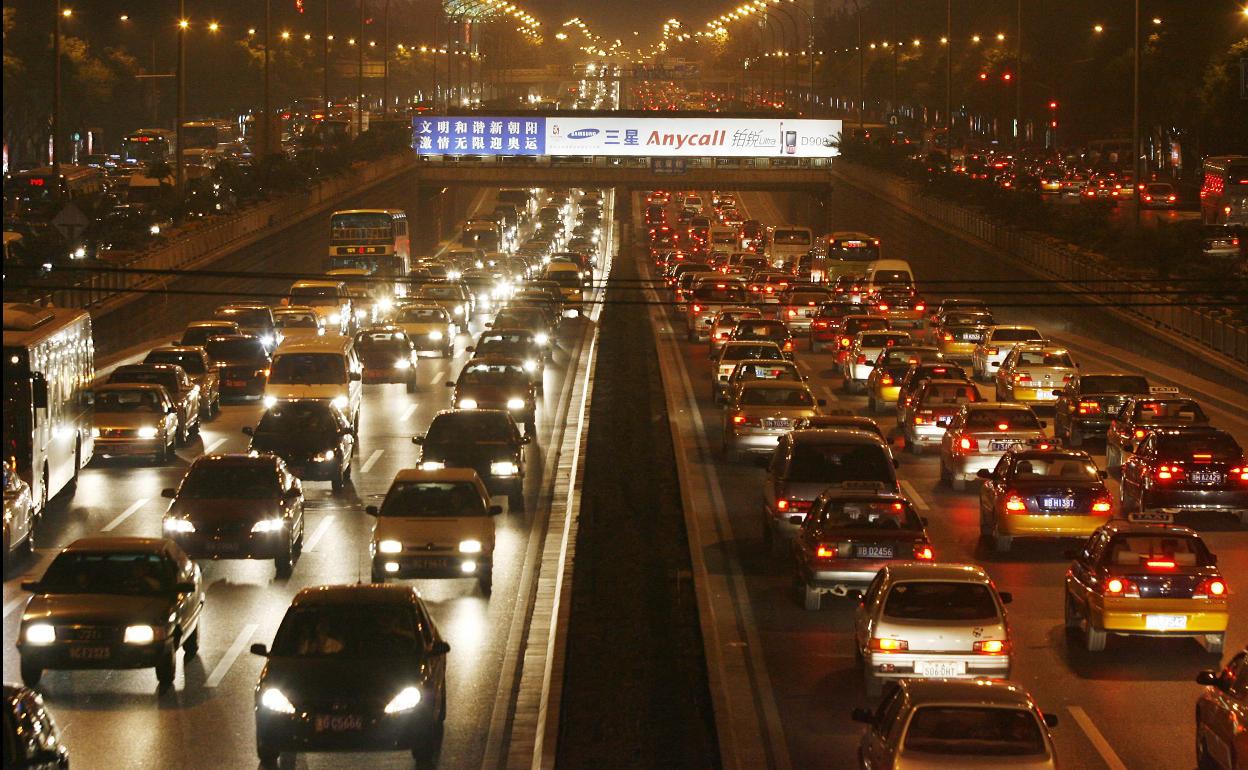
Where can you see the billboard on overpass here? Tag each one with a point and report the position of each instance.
(645, 137)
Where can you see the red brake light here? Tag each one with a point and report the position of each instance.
(883, 306)
(886, 380)
(738, 419)
(889, 645)
(923, 551)
(820, 324)
(792, 313)
(1021, 377)
(1089, 407)
(844, 342)
(1015, 503)
(1116, 586)
(1168, 472)
(781, 504)
(1240, 473)
(968, 444)
(825, 551)
(861, 358)
(992, 646)
(1140, 433)
(920, 307)
(1210, 587)
(697, 308)
(1003, 426)
(1101, 506)
(788, 344)
(1159, 564)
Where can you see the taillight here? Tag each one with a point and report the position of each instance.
(1208, 588)
(1160, 564)
(883, 307)
(886, 380)
(789, 504)
(992, 351)
(738, 419)
(1022, 377)
(920, 307)
(792, 313)
(879, 644)
(923, 551)
(788, 345)
(1240, 473)
(862, 359)
(844, 342)
(1122, 587)
(697, 308)
(947, 337)
(1089, 407)
(1015, 503)
(826, 551)
(992, 646)
(1003, 426)
(1169, 472)
(1102, 506)
(819, 324)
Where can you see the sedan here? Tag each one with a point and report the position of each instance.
(184, 394)
(199, 368)
(486, 440)
(761, 412)
(1042, 493)
(388, 355)
(135, 419)
(498, 383)
(980, 433)
(19, 513)
(313, 438)
(1222, 716)
(429, 327)
(1031, 372)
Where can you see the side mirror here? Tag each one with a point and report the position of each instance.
(526, 439)
(470, 349)
(984, 473)
(1058, 393)
(1211, 678)
(171, 410)
(260, 649)
(1103, 474)
(248, 430)
(169, 492)
(1050, 720)
(450, 384)
(32, 586)
(186, 587)
(371, 510)
(861, 715)
(355, 376)
(439, 648)
(418, 439)
(1006, 597)
(495, 510)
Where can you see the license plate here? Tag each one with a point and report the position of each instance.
(809, 313)
(337, 723)
(1057, 503)
(91, 653)
(225, 546)
(1165, 622)
(1002, 446)
(433, 562)
(874, 551)
(940, 668)
(774, 424)
(1207, 477)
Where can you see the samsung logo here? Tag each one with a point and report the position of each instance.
(583, 133)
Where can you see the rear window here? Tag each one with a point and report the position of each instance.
(791, 237)
(1217, 446)
(807, 298)
(975, 731)
(193, 363)
(235, 350)
(1016, 335)
(759, 330)
(949, 394)
(891, 276)
(168, 379)
(769, 352)
(879, 340)
(795, 397)
(729, 293)
(940, 600)
(855, 325)
(895, 355)
(1012, 419)
(1054, 467)
(1041, 358)
(1169, 412)
(869, 514)
(1114, 384)
(246, 317)
(836, 463)
(1137, 550)
(747, 372)
(196, 335)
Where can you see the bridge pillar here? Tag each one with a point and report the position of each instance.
(428, 220)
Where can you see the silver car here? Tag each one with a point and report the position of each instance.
(996, 343)
(761, 412)
(980, 433)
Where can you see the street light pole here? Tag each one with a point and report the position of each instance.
(359, 76)
(1135, 114)
(862, 77)
(180, 171)
(1018, 78)
(56, 88)
(949, 82)
(325, 64)
(266, 140)
(385, 71)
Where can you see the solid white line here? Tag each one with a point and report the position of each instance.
(372, 460)
(1098, 740)
(231, 655)
(407, 413)
(209, 449)
(18, 602)
(914, 496)
(319, 532)
(136, 505)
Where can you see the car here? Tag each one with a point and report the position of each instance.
(958, 334)
(32, 740)
(807, 462)
(434, 523)
(733, 352)
(849, 534)
(1141, 415)
(995, 345)
(327, 368)
(197, 332)
(451, 297)
(890, 366)
(388, 355)
(531, 318)
(764, 330)
(826, 321)
(1158, 195)
(1087, 402)
(112, 603)
(725, 321)
(800, 306)
(428, 326)
(1031, 372)
(1221, 240)
(849, 286)
(847, 331)
(19, 513)
(859, 360)
(1145, 577)
(952, 613)
(841, 418)
(957, 723)
(199, 368)
(135, 419)
(762, 411)
(900, 306)
(499, 341)
(980, 433)
(705, 301)
(496, 382)
(1222, 715)
(356, 668)
(913, 379)
(252, 318)
(1193, 470)
(237, 506)
(313, 438)
(242, 364)
(760, 369)
(928, 414)
(184, 394)
(485, 440)
(1042, 493)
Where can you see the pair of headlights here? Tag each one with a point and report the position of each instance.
(274, 699)
(45, 633)
(394, 546)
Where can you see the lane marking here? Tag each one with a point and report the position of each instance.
(914, 496)
(1098, 740)
(319, 532)
(372, 460)
(209, 449)
(437, 379)
(8, 608)
(136, 505)
(231, 655)
(407, 413)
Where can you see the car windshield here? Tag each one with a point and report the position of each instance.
(108, 572)
(1012, 419)
(568, 279)
(298, 417)
(760, 330)
(940, 600)
(351, 631)
(250, 481)
(309, 368)
(797, 397)
(367, 342)
(469, 427)
(1054, 467)
(1163, 550)
(869, 514)
(1043, 358)
(505, 338)
(235, 350)
(196, 335)
(432, 499)
(949, 394)
(1114, 384)
(421, 315)
(1198, 446)
(791, 237)
(134, 401)
(1015, 335)
(295, 320)
(1169, 412)
(974, 731)
(730, 292)
(896, 355)
(193, 363)
(444, 291)
(835, 463)
(245, 316)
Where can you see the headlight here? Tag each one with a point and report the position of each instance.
(325, 456)
(459, 310)
(269, 401)
(452, 275)
(40, 633)
(385, 304)
(432, 465)
(340, 402)
(139, 634)
(403, 363)
(407, 699)
(541, 338)
(435, 335)
(515, 403)
(335, 318)
(503, 468)
(470, 546)
(530, 366)
(268, 525)
(467, 403)
(267, 340)
(389, 546)
(95, 433)
(79, 252)
(147, 431)
(178, 525)
(360, 314)
(273, 700)
(154, 229)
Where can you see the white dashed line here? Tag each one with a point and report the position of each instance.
(1098, 740)
(13, 605)
(211, 447)
(231, 655)
(319, 532)
(372, 460)
(407, 413)
(914, 496)
(136, 505)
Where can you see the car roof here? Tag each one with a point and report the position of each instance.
(212, 322)
(330, 343)
(914, 570)
(177, 349)
(773, 385)
(130, 386)
(995, 327)
(147, 368)
(845, 435)
(357, 593)
(116, 544)
(1119, 527)
(989, 692)
(239, 458)
(446, 474)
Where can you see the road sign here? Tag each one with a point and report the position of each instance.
(70, 222)
(667, 165)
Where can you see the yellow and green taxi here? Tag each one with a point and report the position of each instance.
(1146, 577)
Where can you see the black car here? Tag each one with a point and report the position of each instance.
(242, 364)
(1086, 405)
(388, 355)
(486, 440)
(353, 668)
(31, 740)
(513, 343)
(312, 436)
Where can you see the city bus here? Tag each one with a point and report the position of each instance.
(843, 253)
(374, 241)
(41, 193)
(207, 134)
(148, 145)
(1224, 190)
(49, 365)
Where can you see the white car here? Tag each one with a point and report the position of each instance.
(932, 621)
(996, 344)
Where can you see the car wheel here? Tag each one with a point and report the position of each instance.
(1001, 543)
(31, 674)
(811, 598)
(28, 546)
(914, 447)
(1214, 643)
(1075, 438)
(162, 456)
(1093, 638)
(485, 579)
(339, 481)
(285, 561)
(1070, 615)
(515, 500)
(181, 438)
(166, 667)
(190, 648)
(267, 754)
(945, 476)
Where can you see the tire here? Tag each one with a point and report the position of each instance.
(1093, 638)
(1075, 439)
(515, 501)
(31, 674)
(957, 483)
(945, 477)
(72, 486)
(485, 579)
(914, 447)
(286, 561)
(1001, 543)
(811, 598)
(182, 436)
(411, 385)
(28, 545)
(190, 648)
(339, 481)
(1215, 643)
(167, 667)
(1070, 615)
(162, 456)
(267, 755)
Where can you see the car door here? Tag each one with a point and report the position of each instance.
(879, 748)
(991, 489)
(292, 490)
(1080, 576)
(1134, 469)
(187, 604)
(864, 615)
(346, 438)
(191, 391)
(1004, 372)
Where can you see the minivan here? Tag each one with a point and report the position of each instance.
(887, 273)
(318, 367)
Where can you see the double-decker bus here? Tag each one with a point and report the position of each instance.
(148, 145)
(375, 241)
(1224, 190)
(49, 365)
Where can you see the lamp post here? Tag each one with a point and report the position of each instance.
(359, 76)
(1135, 114)
(949, 82)
(1018, 75)
(180, 171)
(325, 63)
(862, 77)
(265, 139)
(385, 66)
(56, 86)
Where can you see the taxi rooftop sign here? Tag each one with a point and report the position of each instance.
(632, 136)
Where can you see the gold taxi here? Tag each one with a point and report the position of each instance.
(1031, 372)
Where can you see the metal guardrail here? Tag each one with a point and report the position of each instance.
(1196, 324)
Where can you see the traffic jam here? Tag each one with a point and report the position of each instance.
(827, 377)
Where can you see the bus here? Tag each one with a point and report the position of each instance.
(49, 365)
(148, 145)
(1224, 190)
(207, 134)
(375, 241)
(41, 193)
(843, 253)
(786, 245)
